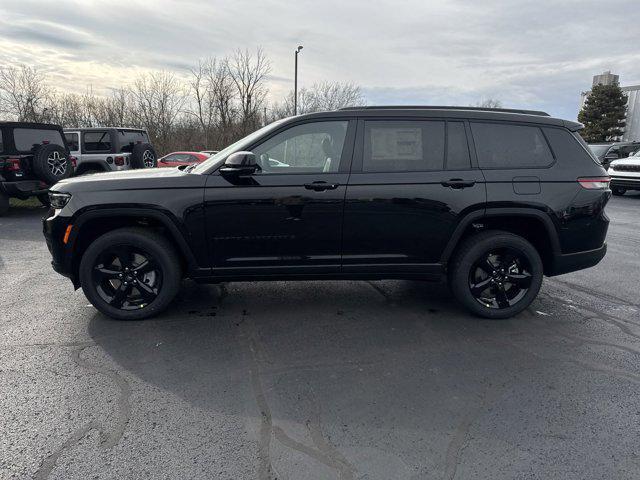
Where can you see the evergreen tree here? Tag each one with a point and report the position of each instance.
(603, 113)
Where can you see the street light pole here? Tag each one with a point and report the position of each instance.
(295, 83)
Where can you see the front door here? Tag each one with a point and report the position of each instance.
(287, 217)
(411, 183)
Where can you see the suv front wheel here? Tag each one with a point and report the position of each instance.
(496, 274)
(130, 273)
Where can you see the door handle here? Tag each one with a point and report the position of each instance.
(320, 186)
(458, 183)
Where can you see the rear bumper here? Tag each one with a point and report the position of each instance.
(576, 261)
(23, 188)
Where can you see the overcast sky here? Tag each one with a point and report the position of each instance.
(534, 54)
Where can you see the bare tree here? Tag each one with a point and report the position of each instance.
(203, 107)
(157, 100)
(488, 103)
(249, 73)
(322, 96)
(24, 94)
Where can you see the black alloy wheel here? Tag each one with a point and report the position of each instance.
(126, 277)
(500, 278)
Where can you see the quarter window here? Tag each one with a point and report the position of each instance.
(307, 148)
(72, 141)
(510, 146)
(99, 141)
(28, 138)
(403, 146)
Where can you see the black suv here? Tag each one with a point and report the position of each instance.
(491, 199)
(33, 156)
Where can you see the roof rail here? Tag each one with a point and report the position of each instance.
(435, 107)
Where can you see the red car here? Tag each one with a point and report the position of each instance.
(176, 159)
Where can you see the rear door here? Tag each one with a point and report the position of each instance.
(411, 183)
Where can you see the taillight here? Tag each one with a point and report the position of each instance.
(74, 161)
(119, 161)
(594, 183)
(12, 165)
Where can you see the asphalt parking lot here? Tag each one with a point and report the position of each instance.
(320, 380)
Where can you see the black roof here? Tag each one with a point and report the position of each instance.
(473, 113)
(47, 126)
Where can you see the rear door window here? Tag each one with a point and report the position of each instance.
(97, 141)
(72, 141)
(457, 147)
(502, 145)
(403, 146)
(27, 138)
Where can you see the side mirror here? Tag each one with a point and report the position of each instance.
(240, 163)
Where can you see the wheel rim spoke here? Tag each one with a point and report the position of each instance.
(148, 293)
(481, 286)
(522, 280)
(146, 266)
(120, 295)
(124, 255)
(106, 273)
(501, 297)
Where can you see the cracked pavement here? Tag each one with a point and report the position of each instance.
(320, 380)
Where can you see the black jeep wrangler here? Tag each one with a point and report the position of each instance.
(492, 200)
(33, 156)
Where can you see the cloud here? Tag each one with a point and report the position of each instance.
(527, 54)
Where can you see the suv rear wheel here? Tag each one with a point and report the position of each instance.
(130, 273)
(496, 274)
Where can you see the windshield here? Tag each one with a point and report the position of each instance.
(599, 149)
(216, 160)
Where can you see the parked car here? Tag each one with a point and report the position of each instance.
(110, 149)
(490, 199)
(607, 152)
(625, 174)
(209, 152)
(33, 156)
(177, 159)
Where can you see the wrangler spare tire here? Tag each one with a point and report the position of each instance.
(144, 156)
(51, 163)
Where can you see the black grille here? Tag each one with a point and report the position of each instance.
(626, 168)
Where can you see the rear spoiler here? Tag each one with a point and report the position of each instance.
(573, 126)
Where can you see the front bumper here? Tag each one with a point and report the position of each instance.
(54, 228)
(571, 262)
(630, 183)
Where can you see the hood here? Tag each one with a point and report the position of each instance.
(626, 161)
(151, 178)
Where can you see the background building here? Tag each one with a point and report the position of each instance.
(632, 128)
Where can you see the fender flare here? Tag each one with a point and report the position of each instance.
(501, 212)
(163, 217)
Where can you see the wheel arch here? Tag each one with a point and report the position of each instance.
(536, 226)
(92, 224)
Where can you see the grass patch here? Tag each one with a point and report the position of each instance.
(31, 202)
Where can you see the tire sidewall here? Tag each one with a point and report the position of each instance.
(170, 273)
(459, 281)
(137, 155)
(40, 156)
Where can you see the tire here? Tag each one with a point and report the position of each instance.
(117, 292)
(618, 191)
(496, 266)
(51, 163)
(4, 204)
(143, 156)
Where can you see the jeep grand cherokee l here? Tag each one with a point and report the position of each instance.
(490, 199)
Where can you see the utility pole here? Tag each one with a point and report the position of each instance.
(295, 83)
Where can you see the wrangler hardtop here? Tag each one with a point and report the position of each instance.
(105, 149)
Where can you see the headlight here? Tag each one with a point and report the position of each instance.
(59, 200)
